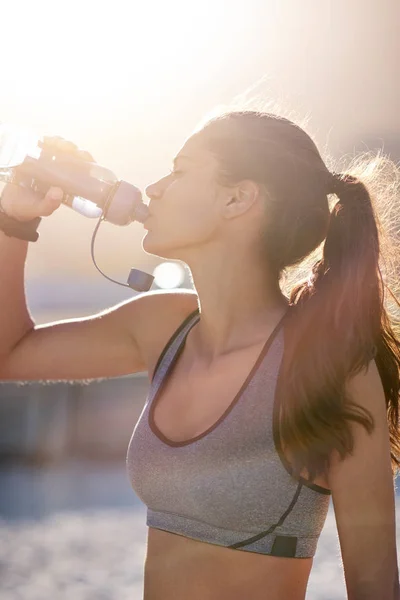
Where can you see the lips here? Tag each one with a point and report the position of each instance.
(146, 222)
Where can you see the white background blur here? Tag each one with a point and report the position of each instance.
(129, 81)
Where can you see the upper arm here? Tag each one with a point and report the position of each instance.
(115, 342)
(363, 498)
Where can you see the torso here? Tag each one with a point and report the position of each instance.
(177, 567)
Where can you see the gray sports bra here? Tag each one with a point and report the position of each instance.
(231, 485)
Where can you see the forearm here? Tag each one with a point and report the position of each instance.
(385, 589)
(15, 320)
(396, 585)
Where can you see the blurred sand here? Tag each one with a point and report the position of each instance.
(79, 531)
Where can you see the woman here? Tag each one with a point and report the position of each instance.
(261, 407)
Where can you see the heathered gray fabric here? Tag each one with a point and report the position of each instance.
(229, 484)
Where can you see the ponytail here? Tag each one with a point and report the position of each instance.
(340, 325)
(337, 323)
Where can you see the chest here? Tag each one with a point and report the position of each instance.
(193, 399)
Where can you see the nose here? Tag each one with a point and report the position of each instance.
(153, 191)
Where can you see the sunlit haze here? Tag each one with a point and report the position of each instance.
(129, 81)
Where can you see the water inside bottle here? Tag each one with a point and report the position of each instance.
(15, 145)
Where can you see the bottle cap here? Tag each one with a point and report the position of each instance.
(139, 280)
(141, 212)
(123, 204)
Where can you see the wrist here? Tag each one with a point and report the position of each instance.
(4, 212)
(23, 230)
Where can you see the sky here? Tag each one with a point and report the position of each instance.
(129, 81)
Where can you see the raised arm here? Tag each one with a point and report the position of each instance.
(122, 340)
(118, 341)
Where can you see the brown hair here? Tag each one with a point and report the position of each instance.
(339, 322)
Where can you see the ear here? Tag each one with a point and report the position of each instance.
(241, 198)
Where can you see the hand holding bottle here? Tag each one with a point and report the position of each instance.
(24, 204)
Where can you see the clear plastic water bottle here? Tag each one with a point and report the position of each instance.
(89, 189)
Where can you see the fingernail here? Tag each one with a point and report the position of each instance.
(57, 194)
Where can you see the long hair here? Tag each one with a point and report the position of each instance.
(339, 321)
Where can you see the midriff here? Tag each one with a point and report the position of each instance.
(180, 568)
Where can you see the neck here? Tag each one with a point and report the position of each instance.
(239, 306)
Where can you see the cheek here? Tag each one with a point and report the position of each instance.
(189, 221)
(190, 205)
(197, 217)
(190, 224)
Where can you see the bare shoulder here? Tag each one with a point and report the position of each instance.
(118, 341)
(156, 315)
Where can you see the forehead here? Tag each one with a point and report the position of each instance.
(195, 151)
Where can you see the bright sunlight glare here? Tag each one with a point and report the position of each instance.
(126, 81)
(168, 275)
(85, 54)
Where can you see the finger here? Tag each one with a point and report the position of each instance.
(57, 142)
(51, 201)
(54, 193)
(52, 140)
(85, 155)
(46, 208)
(66, 146)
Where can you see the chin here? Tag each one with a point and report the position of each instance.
(160, 250)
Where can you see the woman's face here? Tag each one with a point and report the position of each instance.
(184, 205)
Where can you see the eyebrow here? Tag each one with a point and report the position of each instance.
(179, 158)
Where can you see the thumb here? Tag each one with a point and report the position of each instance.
(51, 201)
